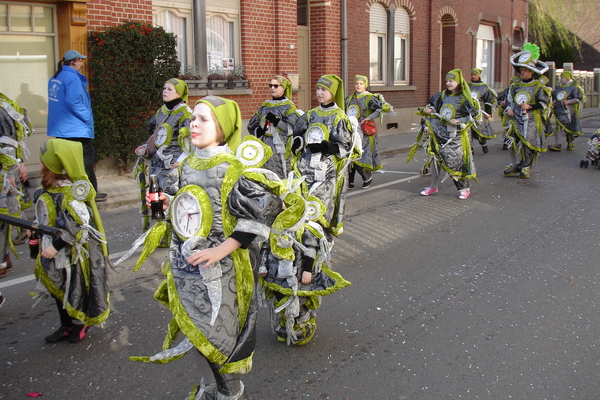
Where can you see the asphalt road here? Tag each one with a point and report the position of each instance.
(493, 297)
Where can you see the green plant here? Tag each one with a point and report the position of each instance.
(216, 73)
(239, 72)
(129, 65)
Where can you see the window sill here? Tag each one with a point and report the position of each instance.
(397, 88)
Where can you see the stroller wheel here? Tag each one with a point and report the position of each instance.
(581, 163)
(587, 163)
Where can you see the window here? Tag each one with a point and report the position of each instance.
(388, 56)
(220, 42)
(27, 56)
(377, 42)
(178, 26)
(485, 53)
(401, 35)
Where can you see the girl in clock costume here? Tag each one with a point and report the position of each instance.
(324, 141)
(273, 123)
(446, 122)
(220, 211)
(365, 105)
(168, 128)
(72, 268)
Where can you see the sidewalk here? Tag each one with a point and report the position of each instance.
(123, 191)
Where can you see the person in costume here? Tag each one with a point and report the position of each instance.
(168, 128)
(526, 108)
(364, 105)
(70, 110)
(273, 123)
(567, 100)
(71, 268)
(447, 119)
(486, 96)
(15, 126)
(220, 213)
(324, 143)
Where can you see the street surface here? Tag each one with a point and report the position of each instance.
(493, 297)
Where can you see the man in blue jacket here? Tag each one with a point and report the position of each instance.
(70, 110)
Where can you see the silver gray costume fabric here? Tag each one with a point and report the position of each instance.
(486, 97)
(529, 126)
(568, 116)
(370, 105)
(450, 144)
(248, 201)
(165, 156)
(276, 137)
(320, 169)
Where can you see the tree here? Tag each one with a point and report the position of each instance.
(129, 65)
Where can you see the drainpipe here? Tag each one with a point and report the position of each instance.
(344, 26)
(200, 49)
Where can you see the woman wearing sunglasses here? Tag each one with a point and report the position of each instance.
(273, 123)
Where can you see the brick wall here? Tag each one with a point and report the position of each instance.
(458, 45)
(268, 33)
(105, 13)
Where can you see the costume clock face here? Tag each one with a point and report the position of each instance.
(163, 135)
(316, 133)
(187, 215)
(353, 111)
(191, 213)
(522, 97)
(447, 111)
(560, 96)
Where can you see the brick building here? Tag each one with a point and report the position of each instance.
(404, 46)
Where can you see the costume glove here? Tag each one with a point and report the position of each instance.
(323, 147)
(296, 144)
(272, 118)
(259, 132)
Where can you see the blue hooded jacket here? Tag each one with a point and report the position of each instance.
(69, 105)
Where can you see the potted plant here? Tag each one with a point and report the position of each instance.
(216, 77)
(237, 77)
(191, 76)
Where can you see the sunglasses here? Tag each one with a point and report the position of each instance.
(274, 86)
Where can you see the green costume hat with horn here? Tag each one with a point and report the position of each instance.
(287, 85)
(181, 87)
(334, 84)
(362, 78)
(228, 116)
(64, 156)
(476, 71)
(567, 75)
(457, 76)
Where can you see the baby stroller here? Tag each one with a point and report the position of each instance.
(593, 152)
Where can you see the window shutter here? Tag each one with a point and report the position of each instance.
(401, 22)
(485, 32)
(378, 19)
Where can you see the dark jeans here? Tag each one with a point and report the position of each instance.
(89, 153)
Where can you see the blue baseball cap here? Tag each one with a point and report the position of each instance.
(72, 54)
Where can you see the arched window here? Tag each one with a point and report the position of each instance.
(401, 43)
(378, 22)
(176, 25)
(485, 53)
